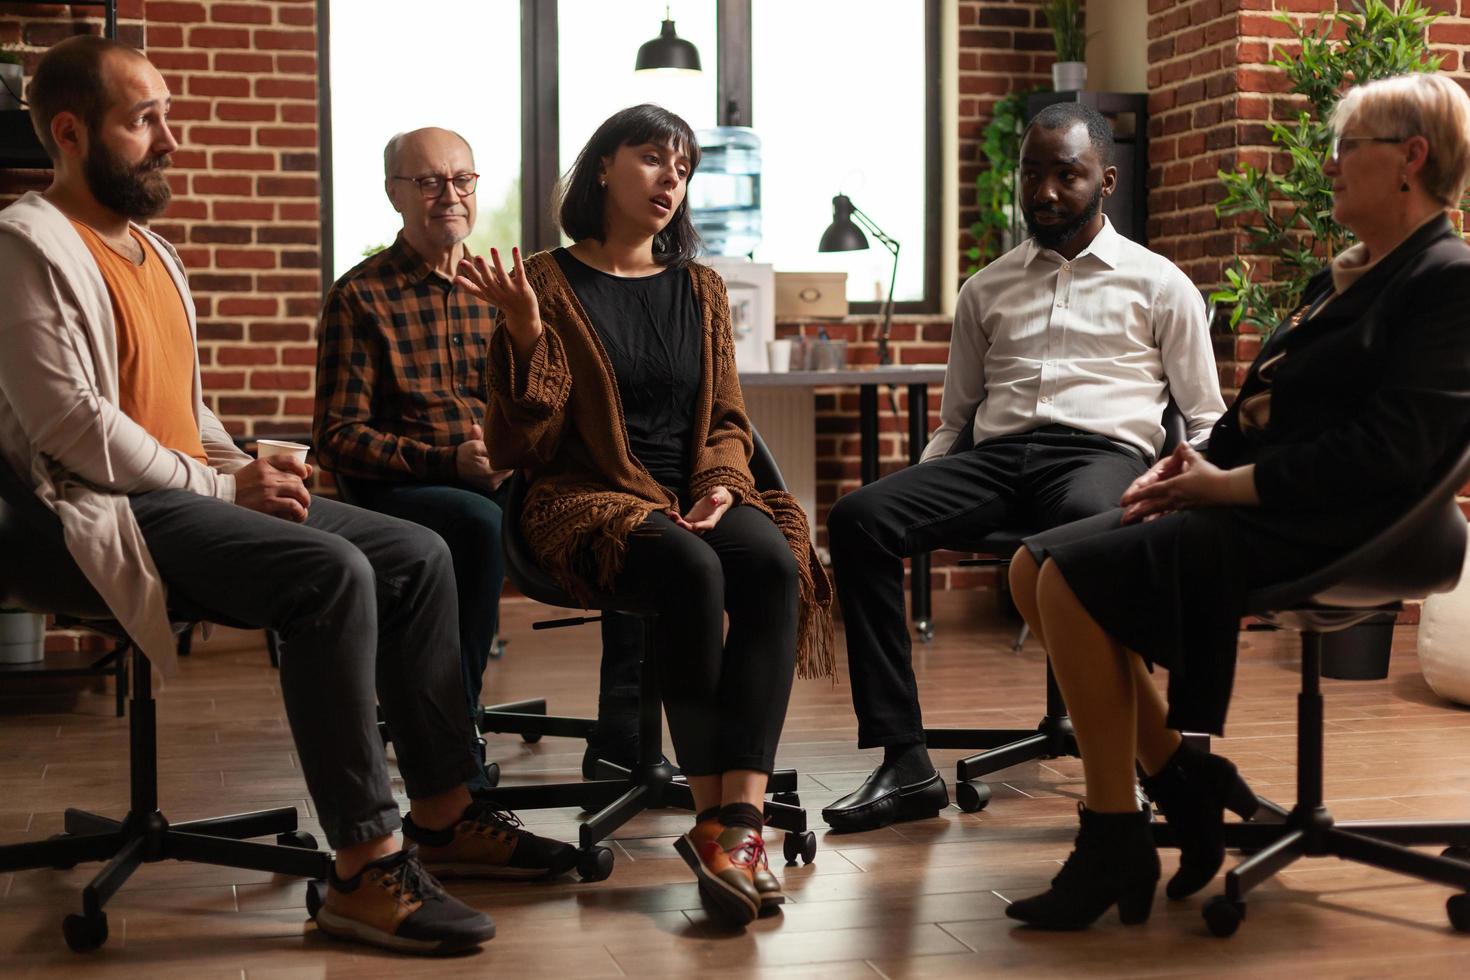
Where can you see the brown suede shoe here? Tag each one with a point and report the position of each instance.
(394, 903)
(724, 860)
(489, 842)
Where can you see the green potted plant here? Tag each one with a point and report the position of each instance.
(1288, 216)
(12, 77)
(994, 230)
(1069, 74)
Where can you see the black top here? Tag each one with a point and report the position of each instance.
(653, 333)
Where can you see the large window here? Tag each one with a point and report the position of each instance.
(857, 128)
(843, 96)
(398, 66)
(597, 44)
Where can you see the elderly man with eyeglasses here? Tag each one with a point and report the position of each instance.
(400, 409)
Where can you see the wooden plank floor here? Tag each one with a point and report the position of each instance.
(917, 900)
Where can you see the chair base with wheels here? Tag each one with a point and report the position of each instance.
(618, 794)
(38, 573)
(1309, 830)
(145, 835)
(1420, 554)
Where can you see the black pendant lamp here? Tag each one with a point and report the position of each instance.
(668, 51)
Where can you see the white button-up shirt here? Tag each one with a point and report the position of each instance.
(1098, 343)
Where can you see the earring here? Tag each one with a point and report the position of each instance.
(1404, 187)
(603, 184)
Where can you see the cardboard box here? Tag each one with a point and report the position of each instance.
(811, 294)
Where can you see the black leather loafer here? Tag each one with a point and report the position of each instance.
(882, 800)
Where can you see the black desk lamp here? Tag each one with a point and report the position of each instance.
(842, 235)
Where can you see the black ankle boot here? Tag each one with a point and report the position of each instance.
(1193, 790)
(1113, 861)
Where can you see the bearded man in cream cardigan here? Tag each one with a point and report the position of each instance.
(101, 412)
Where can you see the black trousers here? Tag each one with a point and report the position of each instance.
(725, 694)
(365, 608)
(1036, 480)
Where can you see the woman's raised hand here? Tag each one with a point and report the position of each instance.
(509, 292)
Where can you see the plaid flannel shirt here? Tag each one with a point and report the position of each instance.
(400, 370)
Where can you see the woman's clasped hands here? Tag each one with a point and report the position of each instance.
(705, 513)
(1185, 479)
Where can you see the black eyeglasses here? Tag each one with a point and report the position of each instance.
(1335, 151)
(432, 187)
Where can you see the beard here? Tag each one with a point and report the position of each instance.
(136, 191)
(1054, 236)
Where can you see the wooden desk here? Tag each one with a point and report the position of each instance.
(781, 408)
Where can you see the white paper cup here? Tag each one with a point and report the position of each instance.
(271, 448)
(778, 356)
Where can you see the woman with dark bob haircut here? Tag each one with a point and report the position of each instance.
(613, 386)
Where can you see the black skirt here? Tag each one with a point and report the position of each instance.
(1173, 590)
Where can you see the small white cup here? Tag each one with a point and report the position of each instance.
(778, 356)
(271, 448)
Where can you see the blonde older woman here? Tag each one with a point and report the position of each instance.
(1354, 404)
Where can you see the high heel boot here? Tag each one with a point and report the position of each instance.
(1193, 790)
(1112, 862)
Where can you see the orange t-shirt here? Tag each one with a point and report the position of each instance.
(155, 351)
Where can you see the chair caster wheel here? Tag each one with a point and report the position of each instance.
(595, 864)
(924, 628)
(497, 648)
(297, 838)
(788, 799)
(1223, 916)
(972, 797)
(1457, 852)
(531, 737)
(1458, 908)
(85, 933)
(64, 865)
(800, 845)
(492, 774)
(316, 897)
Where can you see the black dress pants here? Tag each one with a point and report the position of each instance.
(1035, 480)
(725, 695)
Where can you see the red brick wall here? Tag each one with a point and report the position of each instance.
(1004, 46)
(1210, 93)
(246, 192)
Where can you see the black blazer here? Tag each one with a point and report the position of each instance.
(1373, 396)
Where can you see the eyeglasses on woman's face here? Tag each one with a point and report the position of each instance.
(1341, 146)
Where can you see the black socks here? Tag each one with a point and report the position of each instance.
(742, 815)
(910, 761)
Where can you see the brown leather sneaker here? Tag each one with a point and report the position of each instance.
(394, 903)
(489, 842)
(724, 860)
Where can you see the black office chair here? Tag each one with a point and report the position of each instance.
(1052, 737)
(1418, 555)
(37, 573)
(619, 794)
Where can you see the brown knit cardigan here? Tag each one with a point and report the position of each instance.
(563, 424)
